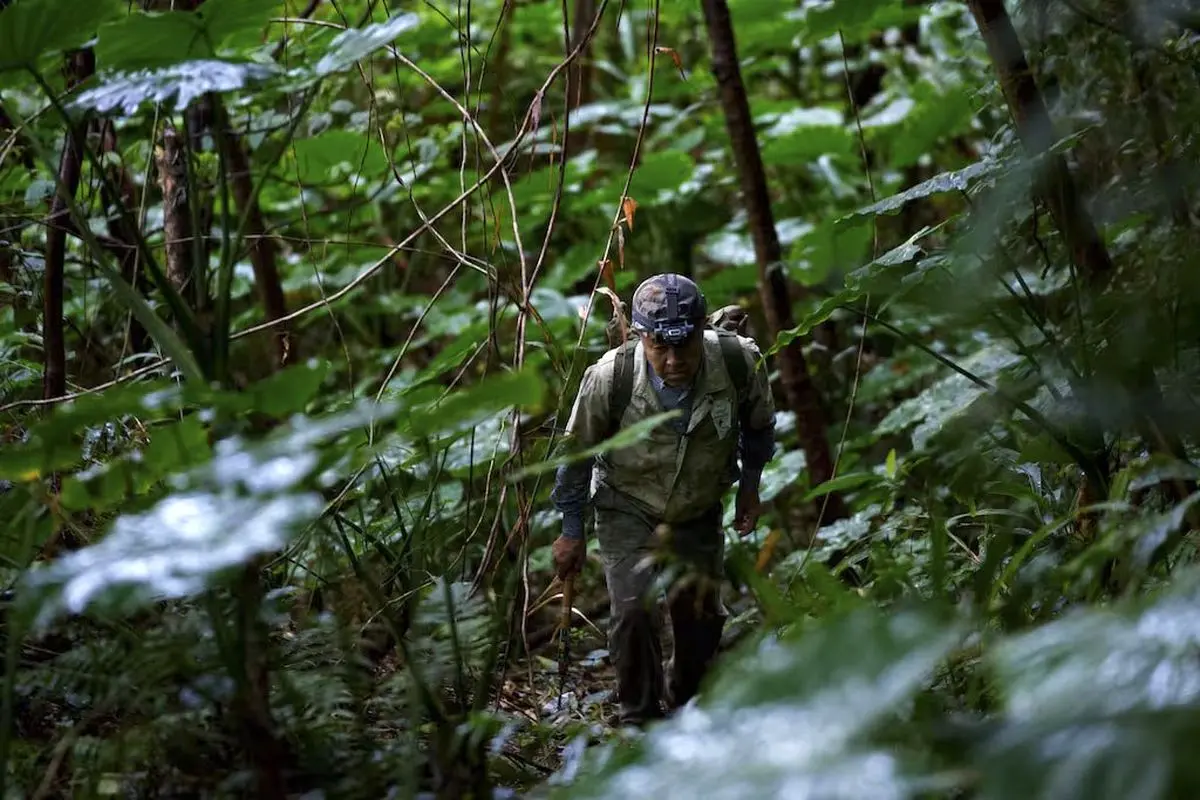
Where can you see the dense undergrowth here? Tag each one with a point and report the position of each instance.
(296, 296)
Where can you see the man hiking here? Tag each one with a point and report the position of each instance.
(667, 489)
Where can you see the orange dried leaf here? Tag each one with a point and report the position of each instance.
(606, 272)
(674, 57)
(629, 207)
(768, 550)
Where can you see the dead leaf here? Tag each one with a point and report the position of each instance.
(611, 294)
(535, 116)
(674, 57)
(606, 272)
(768, 550)
(621, 246)
(629, 206)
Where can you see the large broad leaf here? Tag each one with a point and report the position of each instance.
(125, 91)
(854, 19)
(53, 443)
(432, 413)
(355, 44)
(185, 80)
(247, 501)
(792, 719)
(948, 399)
(659, 175)
(33, 29)
(317, 157)
(143, 40)
(801, 135)
(1103, 705)
(892, 274)
(955, 181)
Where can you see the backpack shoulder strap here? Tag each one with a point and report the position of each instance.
(735, 362)
(622, 385)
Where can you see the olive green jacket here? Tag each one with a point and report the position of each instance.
(676, 477)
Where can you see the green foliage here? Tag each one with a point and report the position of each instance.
(32, 30)
(338, 538)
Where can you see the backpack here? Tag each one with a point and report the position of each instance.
(728, 322)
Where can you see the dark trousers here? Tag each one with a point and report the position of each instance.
(640, 554)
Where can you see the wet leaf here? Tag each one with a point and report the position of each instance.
(790, 719)
(124, 91)
(355, 44)
(1100, 704)
(956, 181)
(248, 500)
(948, 399)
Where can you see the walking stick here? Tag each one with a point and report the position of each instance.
(568, 596)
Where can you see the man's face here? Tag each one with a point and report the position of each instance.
(675, 365)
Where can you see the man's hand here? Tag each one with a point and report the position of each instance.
(747, 509)
(569, 555)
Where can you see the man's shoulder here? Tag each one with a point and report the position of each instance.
(715, 337)
(601, 371)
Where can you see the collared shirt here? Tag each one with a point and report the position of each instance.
(676, 472)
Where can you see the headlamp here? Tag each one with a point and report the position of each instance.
(673, 332)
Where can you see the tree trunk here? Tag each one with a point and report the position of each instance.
(1054, 184)
(117, 190)
(1056, 188)
(579, 72)
(177, 215)
(801, 393)
(54, 376)
(262, 246)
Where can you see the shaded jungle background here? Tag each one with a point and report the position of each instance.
(294, 298)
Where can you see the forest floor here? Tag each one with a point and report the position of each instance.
(559, 718)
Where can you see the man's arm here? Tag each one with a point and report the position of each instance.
(757, 429)
(586, 427)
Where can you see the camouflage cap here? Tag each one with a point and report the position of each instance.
(668, 306)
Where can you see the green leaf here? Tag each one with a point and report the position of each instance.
(318, 156)
(791, 718)
(185, 81)
(1101, 704)
(30, 30)
(287, 391)
(124, 92)
(147, 40)
(624, 438)
(802, 135)
(355, 44)
(855, 19)
(955, 181)
(175, 447)
(248, 500)
(472, 405)
(890, 272)
(234, 24)
(852, 480)
(660, 174)
(947, 400)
